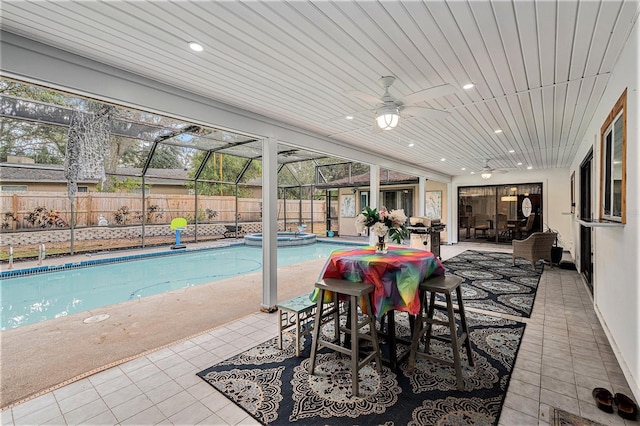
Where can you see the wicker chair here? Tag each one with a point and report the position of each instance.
(536, 247)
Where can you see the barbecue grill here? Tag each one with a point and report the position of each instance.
(425, 233)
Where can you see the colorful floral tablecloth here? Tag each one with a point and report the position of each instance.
(396, 275)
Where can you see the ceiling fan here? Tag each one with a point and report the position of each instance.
(486, 172)
(389, 109)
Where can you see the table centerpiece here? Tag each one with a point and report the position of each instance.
(383, 224)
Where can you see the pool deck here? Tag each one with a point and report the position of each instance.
(39, 357)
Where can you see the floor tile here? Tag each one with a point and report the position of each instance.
(164, 392)
(559, 386)
(153, 382)
(149, 416)
(78, 400)
(131, 407)
(119, 382)
(558, 400)
(123, 395)
(103, 419)
(82, 414)
(523, 404)
(36, 404)
(39, 415)
(176, 403)
(191, 415)
(231, 413)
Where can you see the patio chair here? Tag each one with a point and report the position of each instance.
(526, 229)
(481, 223)
(502, 228)
(537, 246)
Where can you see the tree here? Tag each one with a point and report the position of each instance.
(223, 168)
(166, 157)
(45, 143)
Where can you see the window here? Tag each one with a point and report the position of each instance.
(14, 188)
(83, 189)
(613, 162)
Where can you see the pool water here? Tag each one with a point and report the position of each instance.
(34, 298)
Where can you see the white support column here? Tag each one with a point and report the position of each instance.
(452, 211)
(422, 188)
(269, 224)
(374, 194)
(374, 188)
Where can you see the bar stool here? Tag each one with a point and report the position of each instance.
(354, 291)
(423, 327)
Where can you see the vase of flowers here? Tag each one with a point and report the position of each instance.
(383, 224)
(381, 245)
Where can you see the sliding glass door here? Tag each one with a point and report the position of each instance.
(499, 213)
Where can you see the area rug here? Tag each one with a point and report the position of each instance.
(560, 417)
(491, 283)
(274, 386)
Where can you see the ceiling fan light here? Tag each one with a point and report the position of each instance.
(486, 175)
(387, 117)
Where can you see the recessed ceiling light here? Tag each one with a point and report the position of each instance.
(512, 151)
(349, 117)
(529, 167)
(519, 164)
(411, 144)
(473, 173)
(468, 86)
(196, 47)
(497, 131)
(464, 168)
(443, 159)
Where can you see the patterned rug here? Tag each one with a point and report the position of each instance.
(491, 283)
(274, 385)
(560, 417)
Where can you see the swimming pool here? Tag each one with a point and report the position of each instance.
(87, 285)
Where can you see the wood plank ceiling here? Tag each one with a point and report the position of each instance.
(539, 67)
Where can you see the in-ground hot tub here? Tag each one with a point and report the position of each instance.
(284, 239)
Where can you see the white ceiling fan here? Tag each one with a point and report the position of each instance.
(486, 172)
(389, 109)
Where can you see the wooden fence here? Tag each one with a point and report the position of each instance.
(93, 209)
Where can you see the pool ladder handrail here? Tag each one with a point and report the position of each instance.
(42, 253)
(10, 256)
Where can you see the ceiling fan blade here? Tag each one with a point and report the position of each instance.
(434, 114)
(364, 96)
(430, 93)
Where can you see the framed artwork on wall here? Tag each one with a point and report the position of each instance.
(433, 204)
(348, 206)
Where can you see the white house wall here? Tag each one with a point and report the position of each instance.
(556, 197)
(616, 251)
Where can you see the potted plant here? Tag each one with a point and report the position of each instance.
(556, 250)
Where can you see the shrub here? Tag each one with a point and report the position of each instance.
(121, 215)
(8, 219)
(154, 212)
(42, 217)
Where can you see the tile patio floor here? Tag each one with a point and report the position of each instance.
(563, 356)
